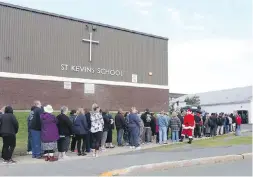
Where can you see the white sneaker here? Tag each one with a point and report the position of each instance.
(138, 148)
(5, 161)
(93, 155)
(96, 155)
(131, 147)
(29, 153)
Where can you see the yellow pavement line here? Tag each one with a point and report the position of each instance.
(175, 164)
(114, 172)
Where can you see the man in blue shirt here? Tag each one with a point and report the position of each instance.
(163, 123)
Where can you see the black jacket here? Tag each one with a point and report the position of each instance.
(8, 124)
(146, 118)
(111, 127)
(197, 119)
(220, 121)
(87, 115)
(153, 124)
(119, 121)
(106, 122)
(64, 125)
(35, 122)
(214, 120)
(181, 119)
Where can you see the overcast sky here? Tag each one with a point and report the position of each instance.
(210, 46)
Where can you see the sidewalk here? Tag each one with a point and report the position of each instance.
(95, 166)
(114, 151)
(27, 159)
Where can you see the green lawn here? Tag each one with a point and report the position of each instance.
(225, 140)
(21, 146)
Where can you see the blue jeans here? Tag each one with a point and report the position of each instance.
(227, 129)
(162, 135)
(36, 144)
(238, 130)
(175, 136)
(29, 141)
(134, 136)
(120, 133)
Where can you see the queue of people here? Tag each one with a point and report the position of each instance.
(91, 131)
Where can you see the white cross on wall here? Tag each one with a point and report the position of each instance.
(91, 42)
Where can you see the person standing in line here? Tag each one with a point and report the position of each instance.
(8, 129)
(223, 123)
(72, 116)
(105, 130)
(163, 123)
(142, 133)
(120, 124)
(146, 118)
(204, 120)
(110, 129)
(219, 125)
(169, 133)
(88, 137)
(197, 129)
(80, 129)
(233, 121)
(97, 124)
(207, 125)
(181, 118)
(134, 129)
(226, 124)
(49, 133)
(153, 127)
(230, 123)
(238, 125)
(65, 127)
(126, 135)
(29, 138)
(212, 122)
(36, 131)
(175, 125)
(157, 128)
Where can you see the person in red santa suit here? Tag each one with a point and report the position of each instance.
(188, 126)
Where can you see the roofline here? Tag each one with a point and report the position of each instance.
(225, 103)
(178, 93)
(78, 20)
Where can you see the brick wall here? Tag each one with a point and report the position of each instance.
(20, 93)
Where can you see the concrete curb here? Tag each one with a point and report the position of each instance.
(247, 155)
(176, 164)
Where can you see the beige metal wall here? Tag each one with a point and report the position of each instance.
(38, 44)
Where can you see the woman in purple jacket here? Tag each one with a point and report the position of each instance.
(49, 133)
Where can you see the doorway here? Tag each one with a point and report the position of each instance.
(244, 115)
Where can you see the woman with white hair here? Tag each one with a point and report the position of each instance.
(49, 133)
(97, 125)
(65, 131)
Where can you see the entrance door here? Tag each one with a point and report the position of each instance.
(244, 115)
